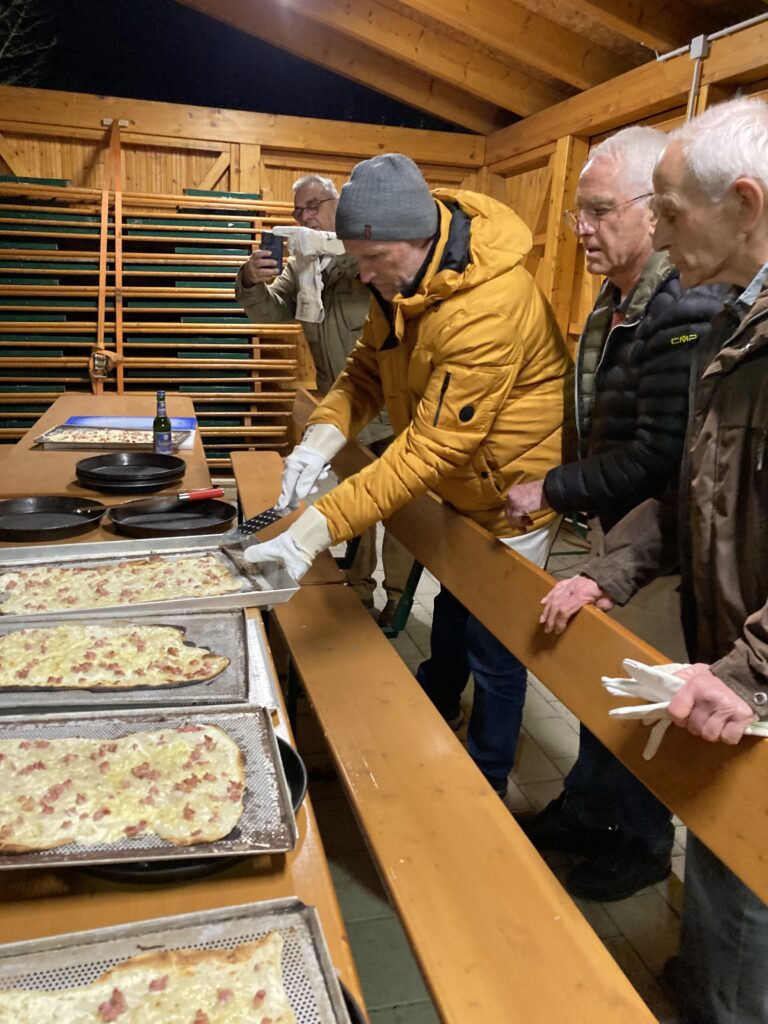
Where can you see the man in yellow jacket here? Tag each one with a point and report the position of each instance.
(463, 350)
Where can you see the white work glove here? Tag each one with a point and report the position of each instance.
(312, 252)
(308, 463)
(657, 684)
(298, 547)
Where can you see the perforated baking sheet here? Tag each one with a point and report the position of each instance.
(260, 585)
(248, 679)
(79, 958)
(267, 824)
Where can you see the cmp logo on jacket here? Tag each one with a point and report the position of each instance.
(683, 339)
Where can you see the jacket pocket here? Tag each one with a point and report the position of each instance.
(441, 397)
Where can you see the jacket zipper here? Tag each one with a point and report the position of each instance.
(761, 450)
(443, 389)
(579, 368)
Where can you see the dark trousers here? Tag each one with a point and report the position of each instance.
(601, 792)
(460, 644)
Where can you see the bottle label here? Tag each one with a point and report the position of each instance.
(162, 442)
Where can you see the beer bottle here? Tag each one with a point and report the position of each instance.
(161, 428)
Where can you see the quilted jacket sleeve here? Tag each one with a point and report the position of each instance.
(628, 473)
(477, 358)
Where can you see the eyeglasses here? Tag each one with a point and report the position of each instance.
(578, 219)
(311, 207)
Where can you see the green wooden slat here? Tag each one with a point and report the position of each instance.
(183, 338)
(169, 268)
(205, 284)
(232, 321)
(15, 244)
(86, 267)
(199, 250)
(56, 229)
(213, 355)
(221, 195)
(24, 388)
(24, 180)
(195, 389)
(48, 300)
(190, 304)
(5, 279)
(32, 213)
(58, 318)
(38, 353)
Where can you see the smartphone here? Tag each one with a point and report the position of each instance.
(273, 244)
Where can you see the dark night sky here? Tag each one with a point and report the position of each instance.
(161, 50)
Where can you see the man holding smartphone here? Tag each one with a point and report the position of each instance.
(270, 297)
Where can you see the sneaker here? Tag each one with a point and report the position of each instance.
(555, 829)
(617, 873)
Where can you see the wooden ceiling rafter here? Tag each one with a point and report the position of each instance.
(516, 32)
(441, 56)
(297, 34)
(661, 25)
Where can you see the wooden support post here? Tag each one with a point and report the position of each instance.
(250, 168)
(556, 276)
(10, 155)
(116, 156)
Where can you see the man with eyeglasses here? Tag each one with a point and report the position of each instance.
(268, 299)
(631, 407)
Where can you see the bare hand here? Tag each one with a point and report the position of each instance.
(708, 708)
(259, 269)
(567, 597)
(521, 500)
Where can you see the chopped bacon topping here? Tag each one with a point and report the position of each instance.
(143, 771)
(36, 766)
(188, 812)
(102, 813)
(260, 996)
(201, 1018)
(191, 728)
(159, 984)
(234, 790)
(111, 1010)
(224, 995)
(134, 830)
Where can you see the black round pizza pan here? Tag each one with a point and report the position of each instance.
(143, 487)
(131, 467)
(173, 519)
(148, 872)
(48, 518)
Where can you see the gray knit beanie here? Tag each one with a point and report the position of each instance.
(387, 200)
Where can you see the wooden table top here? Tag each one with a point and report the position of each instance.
(29, 471)
(35, 904)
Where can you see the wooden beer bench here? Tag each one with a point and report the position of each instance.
(497, 938)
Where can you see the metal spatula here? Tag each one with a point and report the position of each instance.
(248, 527)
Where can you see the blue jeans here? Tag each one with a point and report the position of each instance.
(601, 792)
(460, 644)
(723, 964)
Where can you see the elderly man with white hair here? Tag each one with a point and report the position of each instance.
(711, 201)
(631, 407)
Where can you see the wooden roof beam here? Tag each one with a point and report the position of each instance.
(435, 54)
(520, 33)
(296, 34)
(649, 89)
(659, 24)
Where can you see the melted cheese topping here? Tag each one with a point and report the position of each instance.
(186, 785)
(57, 588)
(107, 435)
(242, 985)
(103, 657)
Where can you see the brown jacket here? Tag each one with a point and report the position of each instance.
(719, 529)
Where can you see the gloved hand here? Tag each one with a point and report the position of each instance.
(308, 463)
(298, 547)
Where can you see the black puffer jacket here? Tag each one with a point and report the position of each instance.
(632, 394)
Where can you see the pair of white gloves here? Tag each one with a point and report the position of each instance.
(657, 684)
(297, 547)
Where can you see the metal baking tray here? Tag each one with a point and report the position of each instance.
(79, 958)
(260, 585)
(248, 679)
(53, 439)
(267, 824)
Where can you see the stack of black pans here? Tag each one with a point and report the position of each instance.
(129, 472)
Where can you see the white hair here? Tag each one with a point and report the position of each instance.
(726, 142)
(635, 151)
(316, 179)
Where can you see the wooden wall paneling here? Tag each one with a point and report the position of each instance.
(172, 121)
(12, 158)
(216, 172)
